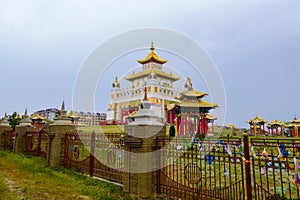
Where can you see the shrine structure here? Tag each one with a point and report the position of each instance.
(190, 113)
(257, 123)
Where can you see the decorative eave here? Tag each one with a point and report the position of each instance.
(72, 115)
(36, 116)
(132, 114)
(256, 120)
(294, 121)
(190, 94)
(197, 104)
(210, 117)
(275, 122)
(148, 72)
(152, 57)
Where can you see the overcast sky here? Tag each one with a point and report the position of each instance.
(255, 44)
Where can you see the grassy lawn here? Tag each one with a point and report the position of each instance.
(26, 177)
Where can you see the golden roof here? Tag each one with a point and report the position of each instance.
(190, 93)
(36, 116)
(211, 117)
(147, 72)
(275, 122)
(230, 125)
(295, 121)
(197, 104)
(171, 106)
(152, 57)
(256, 119)
(132, 114)
(72, 115)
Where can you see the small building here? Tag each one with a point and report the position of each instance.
(293, 127)
(276, 128)
(257, 123)
(190, 113)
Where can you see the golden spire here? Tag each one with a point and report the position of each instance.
(116, 84)
(152, 47)
(152, 56)
(188, 84)
(63, 105)
(25, 113)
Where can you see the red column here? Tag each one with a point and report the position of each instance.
(177, 123)
(181, 125)
(199, 127)
(205, 126)
(185, 125)
(195, 125)
(260, 130)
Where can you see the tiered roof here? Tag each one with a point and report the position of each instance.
(256, 120)
(152, 57)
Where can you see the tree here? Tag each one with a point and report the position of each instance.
(14, 120)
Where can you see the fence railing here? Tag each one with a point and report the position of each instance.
(188, 168)
(96, 154)
(229, 168)
(8, 140)
(36, 143)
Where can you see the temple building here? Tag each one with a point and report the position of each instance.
(190, 113)
(159, 85)
(293, 127)
(257, 124)
(276, 127)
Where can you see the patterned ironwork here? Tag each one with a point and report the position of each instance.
(36, 143)
(8, 140)
(203, 169)
(96, 154)
(274, 168)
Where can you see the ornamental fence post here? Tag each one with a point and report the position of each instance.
(92, 157)
(247, 166)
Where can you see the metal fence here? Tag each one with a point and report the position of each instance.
(36, 143)
(96, 154)
(8, 140)
(200, 169)
(275, 168)
(228, 168)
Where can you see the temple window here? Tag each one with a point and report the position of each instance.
(156, 89)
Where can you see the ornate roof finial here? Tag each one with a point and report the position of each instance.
(152, 47)
(145, 94)
(116, 84)
(63, 105)
(188, 84)
(25, 113)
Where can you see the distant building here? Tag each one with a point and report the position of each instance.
(49, 113)
(91, 119)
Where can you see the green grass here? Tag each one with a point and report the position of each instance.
(5, 192)
(37, 181)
